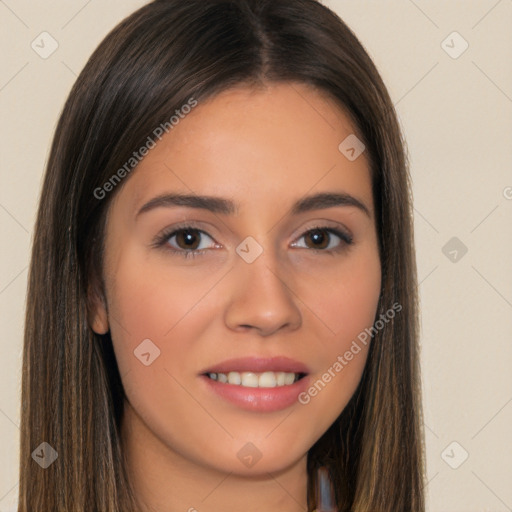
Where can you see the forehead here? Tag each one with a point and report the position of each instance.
(259, 145)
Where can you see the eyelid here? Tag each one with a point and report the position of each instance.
(167, 233)
(326, 225)
(332, 227)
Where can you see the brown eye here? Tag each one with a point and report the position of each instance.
(187, 238)
(187, 241)
(318, 237)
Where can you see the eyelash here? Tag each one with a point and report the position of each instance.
(163, 239)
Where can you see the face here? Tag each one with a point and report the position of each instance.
(263, 275)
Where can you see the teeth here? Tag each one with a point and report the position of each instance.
(234, 378)
(256, 380)
(289, 378)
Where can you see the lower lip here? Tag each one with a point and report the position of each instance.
(258, 399)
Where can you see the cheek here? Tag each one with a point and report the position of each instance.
(344, 298)
(157, 317)
(331, 389)
(342, 361)
(345, 303)
(151, 302)
(152, 296)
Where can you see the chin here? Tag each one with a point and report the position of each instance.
(258, 459)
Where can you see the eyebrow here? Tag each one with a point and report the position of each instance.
(224, 206)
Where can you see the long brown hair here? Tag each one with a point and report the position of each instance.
(151, 64)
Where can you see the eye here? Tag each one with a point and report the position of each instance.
(187, 238)
(321, 237)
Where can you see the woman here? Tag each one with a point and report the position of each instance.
(171, 376)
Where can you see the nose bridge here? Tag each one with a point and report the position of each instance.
(266, 272)
(261, 292)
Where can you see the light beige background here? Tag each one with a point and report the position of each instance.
(457, 116)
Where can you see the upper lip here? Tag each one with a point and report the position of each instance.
(258, 364)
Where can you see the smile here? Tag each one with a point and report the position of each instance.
(257, 380)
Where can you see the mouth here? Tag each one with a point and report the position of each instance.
(254, 386)
(248, 379)
(257, 372)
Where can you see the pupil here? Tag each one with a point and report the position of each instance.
(317, 235)
(189, 238)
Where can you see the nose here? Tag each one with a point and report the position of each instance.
(261, 297)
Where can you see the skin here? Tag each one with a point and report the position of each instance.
(264, 149)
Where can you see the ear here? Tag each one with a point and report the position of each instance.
(97, 309)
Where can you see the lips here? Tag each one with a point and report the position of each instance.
(258, 365)
(261, 398)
